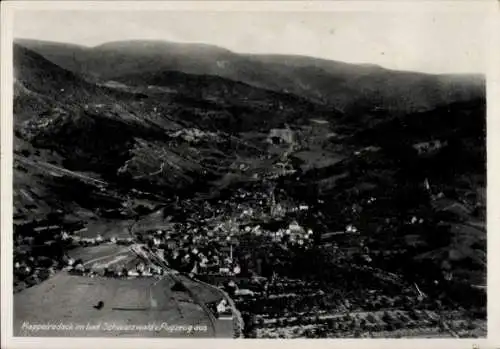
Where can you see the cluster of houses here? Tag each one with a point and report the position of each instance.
(194, 249)
(140, 269)
(96, 240)
(293, 234)
(210, 247)
(206, 247)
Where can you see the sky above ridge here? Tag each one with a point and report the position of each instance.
(439, 42)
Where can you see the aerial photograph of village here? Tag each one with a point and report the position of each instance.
(222, 184)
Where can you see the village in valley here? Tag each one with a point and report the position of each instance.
(244, 195)
(254, 244)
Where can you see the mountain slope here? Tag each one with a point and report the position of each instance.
(349, 87)
(132, 135)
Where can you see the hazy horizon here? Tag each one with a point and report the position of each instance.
(435, 43)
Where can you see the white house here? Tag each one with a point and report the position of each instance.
(132, 273)
(277, 136)
(222, 306)
(351, 229)
(203, 262)
(224, 271)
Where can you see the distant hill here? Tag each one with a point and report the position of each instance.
(35, 72)
(352, 88)
(217, 92)
(35, 76)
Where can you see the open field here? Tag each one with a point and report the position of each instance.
(71, 299)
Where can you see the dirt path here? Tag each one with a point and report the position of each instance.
(50, 167)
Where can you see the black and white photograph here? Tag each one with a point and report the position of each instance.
(248, 174)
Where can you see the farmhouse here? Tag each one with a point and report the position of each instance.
(281, 136)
